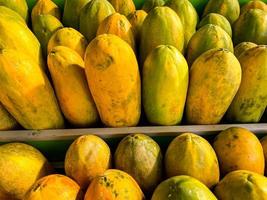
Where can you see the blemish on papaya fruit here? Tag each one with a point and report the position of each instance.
(106, 63)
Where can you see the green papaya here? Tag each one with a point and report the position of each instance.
(165, 82)
(230, 9)
(255, 4)
(72, 10)
(92, 15)
(162, 26)
(208, 37)
(251, 26)
(188, 15)
(124, 7)
(7, 122)
(150, 4)
(44, 26)
(250, 101)
(216, 19)
(242, 47)
(20, 6)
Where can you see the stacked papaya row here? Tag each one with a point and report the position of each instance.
(105, 58)
(232, 168)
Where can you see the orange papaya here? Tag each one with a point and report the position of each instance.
(124, 7)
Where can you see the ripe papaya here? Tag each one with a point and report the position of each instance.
(188, 15)
(208, 37)
(242, 184)
(45, 7)
(250, 101)
(68, 37)
(43, 27)
(114, 185)
(251, 26)
(92, 15)
(162, 26)
(182, 187)
(150, 4)
(214, 81)
(264, 146)
(141, 157)
(7, 122)
(124, 7)
(9, 14)
(228, 8)
(255, 4)
(216, 19)
(67, 71)
(119, 25)
(242, 47)
(233, 147)
(26, 92)
(20, 6)
(72, 10)
(165, 83)
(113, 77)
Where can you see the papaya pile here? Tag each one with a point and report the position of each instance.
(230, 166)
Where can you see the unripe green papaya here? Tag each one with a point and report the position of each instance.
(20, 6)
(165, 82)
(162, 26)
(242, 47)
(150, 4)
(124, 7)
(250, 101)
(92, 15)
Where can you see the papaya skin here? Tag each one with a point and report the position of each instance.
(124, 7)
(250, 101)
(242, 47)
(19, 6)
(255, 4)
(9, 14)
(264, 146)
(217, 74)
(150, 4)
(114, 80)
(68, 74)
(233, 148)
(7, 122)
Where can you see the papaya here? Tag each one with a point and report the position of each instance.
(113, 77)
(124, 7)
(162, 26)
(188, 15)
(242, 47)
(45, 7)
(9, 14)
(92, 15)
(217, 19)
(68, 37)
(150, 4)
(182, 187)
(26, 92)
(114, 185)
(208, 37)
(165, 82)
(214, 81)
(19, 6)
(55, 186)
(228, 8)
(43, 27)
(87, 157)
(192, 155)
(68, 74)
(11, 33)
(72, 10)
(239, 149)
(119, 25)
(137, 19)
(20, 167)
(250, 101)
(255, 4)
(264, 146)
(7, 122)
(141, 157)
(251, 26)
(242, 184)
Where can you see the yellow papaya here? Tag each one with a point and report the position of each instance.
(26, 92)
(9, 14)
(255, 4)
(43, 27)
(20, 6)
(113, 77)
(7, 122)
(250, 101)
(124, 7)
(67, 71)
(68, 37)
(214, 81)
(119, 25)
(45, 7)
(92, 15)
(164, 87)
(242, 47)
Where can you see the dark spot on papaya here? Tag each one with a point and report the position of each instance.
(106, 63)
(228, 145)
(235, 137)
